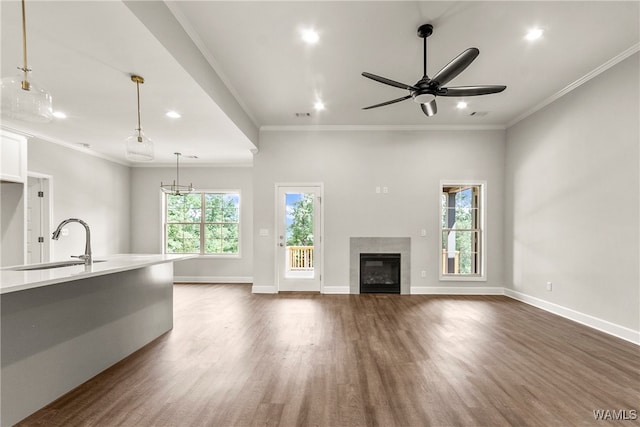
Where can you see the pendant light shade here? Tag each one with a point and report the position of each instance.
(22, 99)
(176, 188)
(138, 146)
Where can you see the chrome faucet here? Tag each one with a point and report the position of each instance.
(88, 259)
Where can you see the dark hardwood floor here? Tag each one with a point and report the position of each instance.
(237, 359)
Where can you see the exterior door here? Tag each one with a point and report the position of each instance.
(299, 238)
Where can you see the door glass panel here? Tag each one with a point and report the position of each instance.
(299, 239)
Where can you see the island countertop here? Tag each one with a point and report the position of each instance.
(13, 281)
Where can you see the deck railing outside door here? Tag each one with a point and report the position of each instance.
(300, 257)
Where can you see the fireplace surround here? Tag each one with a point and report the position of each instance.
(369, 245)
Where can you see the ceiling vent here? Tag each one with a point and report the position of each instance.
(301, 115)
(479, 113)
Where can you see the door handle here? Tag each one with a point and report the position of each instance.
(281, 245)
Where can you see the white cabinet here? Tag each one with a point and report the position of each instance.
(13, 157)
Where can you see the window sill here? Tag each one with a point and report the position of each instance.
(461, 278)
(215, 256)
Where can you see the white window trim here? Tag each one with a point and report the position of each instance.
(482, 277)
(163, 224)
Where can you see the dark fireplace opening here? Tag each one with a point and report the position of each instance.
(380, 273)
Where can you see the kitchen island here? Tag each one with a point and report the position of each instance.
(62, 326)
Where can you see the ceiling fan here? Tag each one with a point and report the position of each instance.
(424, 92)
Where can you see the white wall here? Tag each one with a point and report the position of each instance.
(147, 228)
(351, 164)
(86, 187)
(572, 194)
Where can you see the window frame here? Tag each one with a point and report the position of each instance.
(482, 232)
(203, 223)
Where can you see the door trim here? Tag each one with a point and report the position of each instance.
(49, 223)
(275, 234)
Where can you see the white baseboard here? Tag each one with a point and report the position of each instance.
(212, 279)
(457, 290)
(336, 290)
(268, 289)
(622, 332)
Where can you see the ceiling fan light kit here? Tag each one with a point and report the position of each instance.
(22, 99)
(425, 91)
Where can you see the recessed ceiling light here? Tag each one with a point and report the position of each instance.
(173, 114)
(319, 105)
(461, 105)
(310, 36)
(59, 115)
(534, 34)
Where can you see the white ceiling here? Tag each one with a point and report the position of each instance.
(84, 52)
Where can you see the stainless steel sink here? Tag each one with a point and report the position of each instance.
(51, 265)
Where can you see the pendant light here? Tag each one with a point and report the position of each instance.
(176, 188)
(22, 99)
(139, 147)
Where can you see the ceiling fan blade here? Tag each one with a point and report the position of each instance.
(430, 108)
(456, 66)
(389, 82)
(470, 90)
(393, 101)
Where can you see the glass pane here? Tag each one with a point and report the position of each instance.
(213, 238)
(299, 218)
(460, 252)
(221, 238)
(183, 208)
(183, 238)
(213, 206)
(230, 238)
(231, 205)
(460, 208)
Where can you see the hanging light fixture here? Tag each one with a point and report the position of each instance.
(176, 188)
(22, 99)
(139, 147)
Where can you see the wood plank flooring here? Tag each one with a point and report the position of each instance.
(237, 359)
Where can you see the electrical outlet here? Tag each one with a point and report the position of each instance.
(65, 232)
(385, 190)
(423, 232)
(423, 274)
(549, 286)
(377, 190)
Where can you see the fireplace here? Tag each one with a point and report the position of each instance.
(380, 273)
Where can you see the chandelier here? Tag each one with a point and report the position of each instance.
(176, 188)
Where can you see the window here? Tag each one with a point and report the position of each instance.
(202, 223)
(462, 239)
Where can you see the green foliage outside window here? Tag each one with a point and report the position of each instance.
(203, 223)
(300, 231)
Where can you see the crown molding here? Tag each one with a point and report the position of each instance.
(361, 128)
(247, 164)
(582, 80)
(72, 146)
